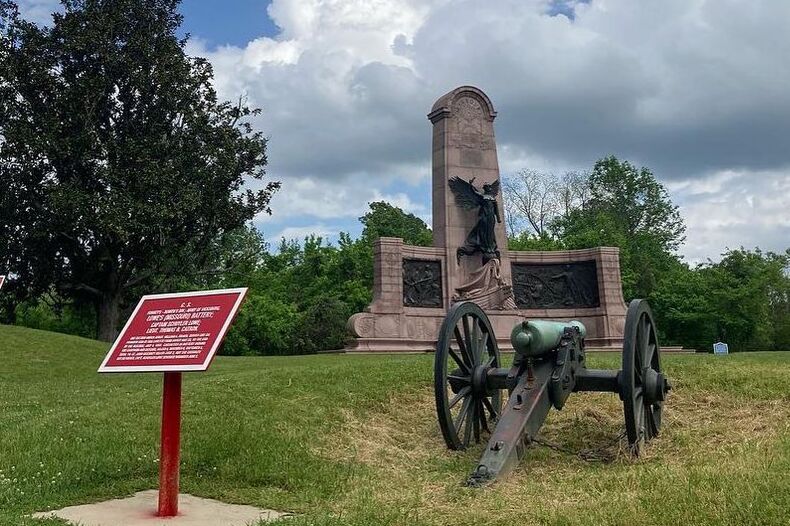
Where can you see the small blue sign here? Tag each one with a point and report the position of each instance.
(720, 348)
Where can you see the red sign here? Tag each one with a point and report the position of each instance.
(174, 332)
(2, 280)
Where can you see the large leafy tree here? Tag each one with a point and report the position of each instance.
(121, 169)
(627, 208)
(386, 220)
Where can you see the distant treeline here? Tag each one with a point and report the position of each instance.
(302, 293)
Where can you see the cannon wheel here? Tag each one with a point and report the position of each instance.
(641, 370)
(466, 349)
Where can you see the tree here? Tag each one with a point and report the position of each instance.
(681, 302)
(750, 293)
(641, 203)
(534, 200)
(744, 300)
(302, 295)
(386, 220)
(630, 209)
(383, 220)
(123, 168)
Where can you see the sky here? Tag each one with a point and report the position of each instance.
(696, 90)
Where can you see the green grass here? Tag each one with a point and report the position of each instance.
(353, 440)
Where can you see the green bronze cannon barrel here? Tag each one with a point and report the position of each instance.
(538, 337)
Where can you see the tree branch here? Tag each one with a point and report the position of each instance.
(88, 289)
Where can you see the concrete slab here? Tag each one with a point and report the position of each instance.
(140, 510)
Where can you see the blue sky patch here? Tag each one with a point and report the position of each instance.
(565, 7)
(232, 22)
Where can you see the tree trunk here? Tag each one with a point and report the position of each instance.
(108, 313)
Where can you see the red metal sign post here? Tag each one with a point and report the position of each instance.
(172, 333)
(170, 449)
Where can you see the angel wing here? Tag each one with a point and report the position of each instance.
(493, 188)
(466, 195)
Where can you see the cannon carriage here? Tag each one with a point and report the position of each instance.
(548, 365)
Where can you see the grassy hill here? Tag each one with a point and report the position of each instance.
(353, 440)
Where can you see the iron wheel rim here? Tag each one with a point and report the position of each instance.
(466, 342)
(641, 351)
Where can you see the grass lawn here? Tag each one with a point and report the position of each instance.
(353, 440)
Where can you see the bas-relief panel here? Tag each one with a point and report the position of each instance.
(422, 283)
(555, 285)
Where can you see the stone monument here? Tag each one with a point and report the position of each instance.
(414, 286)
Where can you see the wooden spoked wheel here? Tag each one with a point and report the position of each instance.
(643, 385)
(466, 350)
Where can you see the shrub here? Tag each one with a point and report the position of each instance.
(265, 325)
(68, 318)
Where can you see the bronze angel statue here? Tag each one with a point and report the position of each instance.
(481, 238)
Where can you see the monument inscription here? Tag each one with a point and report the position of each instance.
(471, 157)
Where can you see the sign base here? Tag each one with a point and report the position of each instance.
(140, 509)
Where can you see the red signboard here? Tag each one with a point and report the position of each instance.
(2, 280)
(174, 332)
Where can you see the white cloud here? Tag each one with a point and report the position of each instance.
(337, 99)
(348, 198)
(731, 209)
(694, 89)
(298, 233)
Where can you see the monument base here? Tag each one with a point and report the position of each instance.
(423, 327)
(412, 293)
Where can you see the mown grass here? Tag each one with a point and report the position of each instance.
(353, 440)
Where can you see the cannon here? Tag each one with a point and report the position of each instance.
(548, 365)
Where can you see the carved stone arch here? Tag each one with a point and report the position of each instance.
(442, 108)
